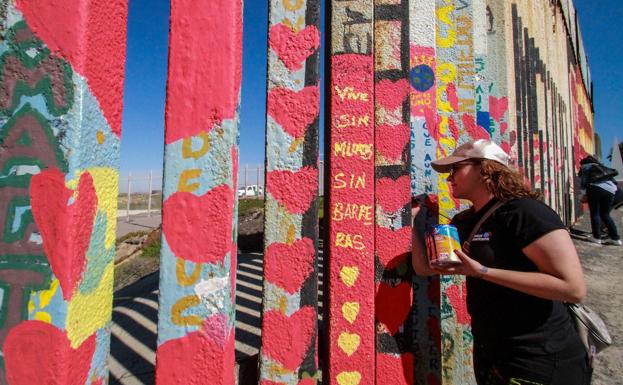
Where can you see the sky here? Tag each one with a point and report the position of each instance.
(142, 145)
(602, 31)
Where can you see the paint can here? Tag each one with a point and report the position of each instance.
(441, 241)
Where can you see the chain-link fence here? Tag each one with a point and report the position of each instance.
(141, 192)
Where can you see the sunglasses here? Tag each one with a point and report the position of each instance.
(455, 167)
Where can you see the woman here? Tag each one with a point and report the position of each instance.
(521, 266)
(600, 196)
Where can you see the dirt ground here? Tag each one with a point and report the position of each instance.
(603, 267)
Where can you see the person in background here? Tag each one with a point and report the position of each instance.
(600, 196)
(521, 267)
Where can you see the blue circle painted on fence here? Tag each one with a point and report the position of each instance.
(422, 77)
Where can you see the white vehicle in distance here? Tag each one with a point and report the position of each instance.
(250, 191)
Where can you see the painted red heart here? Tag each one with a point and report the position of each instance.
(286, 339)
(287, 266)
(36, 352)
(392, 305)
(65, 229)
(205, 66)
(291, 47)
(199, 228)
(196, 359)
(392, 247)
(293, 110)
(390, 94)
(94, 47)
(391, 140)
(457, 296)
(293, 189)
(395, 370)
(393, 195)
(498, 107)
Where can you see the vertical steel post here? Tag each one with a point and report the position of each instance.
(424, 146)
(290, 297)
(392, 238)
(62, 66)
(457, 124)
(198, 257)
(349, 197)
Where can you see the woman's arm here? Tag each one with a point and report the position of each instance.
(583, 174)
(560, 275)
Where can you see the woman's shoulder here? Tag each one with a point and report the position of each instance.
(524, 204)
(463, 216)
(528, 210)
(529, 216)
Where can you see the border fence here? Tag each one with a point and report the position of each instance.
(407, 81)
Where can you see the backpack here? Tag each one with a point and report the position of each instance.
(600, 173)
(591, 329)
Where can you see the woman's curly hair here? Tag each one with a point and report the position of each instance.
(503, 182)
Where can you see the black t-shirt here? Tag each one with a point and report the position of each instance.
(506, 320)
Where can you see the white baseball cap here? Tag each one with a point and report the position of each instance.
(479, 149)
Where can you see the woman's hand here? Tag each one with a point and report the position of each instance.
(468, 267)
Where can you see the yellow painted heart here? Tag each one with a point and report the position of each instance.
(348, 342)
(349, 378)
(349, 275)
(350, 311)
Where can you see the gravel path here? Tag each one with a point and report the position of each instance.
(603, 267)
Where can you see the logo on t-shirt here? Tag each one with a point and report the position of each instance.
(484, 237)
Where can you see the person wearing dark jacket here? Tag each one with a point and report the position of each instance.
(521, 267)
(600, 195)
